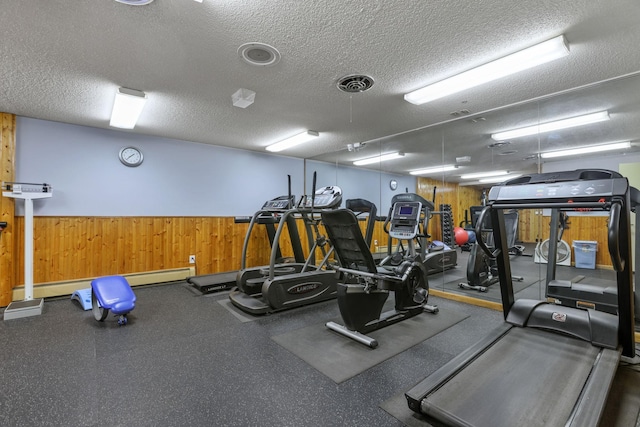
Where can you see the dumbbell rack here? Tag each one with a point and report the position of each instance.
(446, 225)
(27, 192)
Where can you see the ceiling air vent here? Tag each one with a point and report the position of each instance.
(355, 83)
(498, 144)
(260, 54)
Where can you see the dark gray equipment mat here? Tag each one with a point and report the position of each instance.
(397, 407)
(527, 378)
(341, 358)
(493, 291)
(623, 404)
(237, 313)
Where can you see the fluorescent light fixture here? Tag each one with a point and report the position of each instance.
(135, 2)
(571, 122)
(300, 138)
(377, 159)
(528, 58)
(585, 150)
(127, 108)
(498, 178)
(436, 169)
(483, 174)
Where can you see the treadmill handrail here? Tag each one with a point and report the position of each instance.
(614, 237)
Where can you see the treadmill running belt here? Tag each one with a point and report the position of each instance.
(527, 378)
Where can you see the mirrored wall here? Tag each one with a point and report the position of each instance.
(471, 143)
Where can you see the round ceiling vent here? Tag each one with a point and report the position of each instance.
(508, 152)
(498, 144)
(135, 2)
(355, 83)
(259, 54)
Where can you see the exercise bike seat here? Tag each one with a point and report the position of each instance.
(114, 293)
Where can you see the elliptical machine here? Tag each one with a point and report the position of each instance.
(366, 287)
(482, 270)
(277, 287)
(435, 259)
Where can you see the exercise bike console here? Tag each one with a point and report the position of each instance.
(405, 220)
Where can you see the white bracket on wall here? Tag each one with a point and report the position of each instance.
(27, 192)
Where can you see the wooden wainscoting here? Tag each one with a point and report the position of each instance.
(74, 248)
(460, 199)
(70, 248)
(591, 228)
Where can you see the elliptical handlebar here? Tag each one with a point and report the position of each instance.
(481, 243)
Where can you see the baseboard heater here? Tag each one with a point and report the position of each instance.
(67, 287)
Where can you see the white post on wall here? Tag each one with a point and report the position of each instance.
(27, 192)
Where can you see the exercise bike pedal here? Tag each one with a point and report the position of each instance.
(472, 287)
(420, 296)
(431, 308)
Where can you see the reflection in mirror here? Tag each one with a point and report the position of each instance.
(471, 142)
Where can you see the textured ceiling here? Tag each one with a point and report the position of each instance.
(62, 60)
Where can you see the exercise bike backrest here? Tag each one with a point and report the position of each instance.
(405, 220)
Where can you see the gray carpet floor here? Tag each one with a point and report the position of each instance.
(341, 358)
(185, 360)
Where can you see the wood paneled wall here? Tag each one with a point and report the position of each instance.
(591, 228)
(67, 248)
(460, 199)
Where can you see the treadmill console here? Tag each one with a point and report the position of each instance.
(405, 220)
(279, 204)
(325, 198)
(592, 190)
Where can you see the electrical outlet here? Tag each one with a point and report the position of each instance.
(375, 242)
(192, 259)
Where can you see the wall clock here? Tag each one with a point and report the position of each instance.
(131, 156)
(393, 184)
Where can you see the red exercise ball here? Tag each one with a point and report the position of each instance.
(461, 237)
(456, 229)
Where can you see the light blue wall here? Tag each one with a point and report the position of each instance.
(177, 178)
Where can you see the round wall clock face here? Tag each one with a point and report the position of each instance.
(130, 156)
(393, 184)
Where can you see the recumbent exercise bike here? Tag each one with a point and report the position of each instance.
(365, 286)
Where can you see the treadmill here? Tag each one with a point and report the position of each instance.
(547, 365)
(575, 292)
